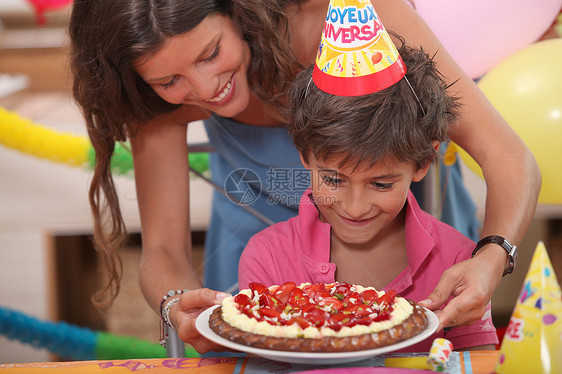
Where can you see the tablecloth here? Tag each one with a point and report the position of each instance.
(476, 362)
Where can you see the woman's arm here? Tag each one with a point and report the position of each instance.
(511, 173)
(160, 155)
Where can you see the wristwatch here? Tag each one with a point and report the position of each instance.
(502, 242)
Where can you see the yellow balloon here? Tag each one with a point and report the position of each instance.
(526, 88)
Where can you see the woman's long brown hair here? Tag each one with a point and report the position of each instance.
(107, 37)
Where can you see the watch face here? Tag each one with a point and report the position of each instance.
(514, 254)
(510, 248)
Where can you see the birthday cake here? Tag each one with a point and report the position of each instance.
(335, 317)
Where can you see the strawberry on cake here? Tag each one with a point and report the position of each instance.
(335, 317)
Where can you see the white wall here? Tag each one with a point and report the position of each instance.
(15, 6)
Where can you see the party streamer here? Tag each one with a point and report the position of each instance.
(73, 342)
(24, 135)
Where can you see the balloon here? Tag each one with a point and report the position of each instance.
(480, 33)
(44, 5)
(49, 4)
(526, 89)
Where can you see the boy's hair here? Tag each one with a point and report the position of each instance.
(367, 128)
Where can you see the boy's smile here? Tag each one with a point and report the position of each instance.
(358, 222)
(361, 203)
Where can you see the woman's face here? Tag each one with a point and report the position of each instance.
(206, 66)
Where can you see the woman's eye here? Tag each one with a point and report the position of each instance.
(170, 83)
(214, 55)
(331, 180)
(383, 186)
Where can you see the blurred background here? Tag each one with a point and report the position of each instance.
(47, 265)
(48, 269)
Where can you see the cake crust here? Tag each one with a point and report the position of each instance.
(410, 327)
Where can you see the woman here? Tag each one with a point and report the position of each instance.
(143, 70)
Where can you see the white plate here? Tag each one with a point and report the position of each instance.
(313, 358)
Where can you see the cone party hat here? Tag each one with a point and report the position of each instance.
(533, 340)
(356, 55)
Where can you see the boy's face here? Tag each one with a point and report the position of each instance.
(361, 202)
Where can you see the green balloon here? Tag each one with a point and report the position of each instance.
(122, 160)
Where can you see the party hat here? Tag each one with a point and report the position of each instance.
(533, 340)
(356, 56)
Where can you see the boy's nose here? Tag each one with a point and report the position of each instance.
(356, 206)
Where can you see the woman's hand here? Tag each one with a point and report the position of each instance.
(469, 285)
(193, 303)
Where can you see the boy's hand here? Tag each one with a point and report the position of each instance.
(191, 305)
(469, 286)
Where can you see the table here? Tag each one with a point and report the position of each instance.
(476, 362)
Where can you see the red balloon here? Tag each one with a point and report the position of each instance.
(41, 6)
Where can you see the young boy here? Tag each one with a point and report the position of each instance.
(358, 222)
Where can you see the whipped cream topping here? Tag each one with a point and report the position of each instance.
(233, 316)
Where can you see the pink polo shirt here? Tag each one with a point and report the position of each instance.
(298, 250)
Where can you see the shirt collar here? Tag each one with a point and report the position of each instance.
(315, 237)
(419, 239)
(419, 244)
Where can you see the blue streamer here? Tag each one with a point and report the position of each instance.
(61, 338)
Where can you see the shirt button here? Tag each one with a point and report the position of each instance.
(324, 268)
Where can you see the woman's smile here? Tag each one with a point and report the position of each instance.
(225, 95)
(206, 67)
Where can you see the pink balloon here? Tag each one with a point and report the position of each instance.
(480, 33)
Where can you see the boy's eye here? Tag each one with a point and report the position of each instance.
(383, 186)
(331, 180)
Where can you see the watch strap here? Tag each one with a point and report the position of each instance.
(502, 242)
